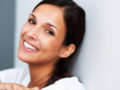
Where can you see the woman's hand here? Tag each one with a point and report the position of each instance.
(13, 86)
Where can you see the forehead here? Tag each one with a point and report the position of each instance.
(47, 8)
(49, 13)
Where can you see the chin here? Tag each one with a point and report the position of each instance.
(23, 57)
(27, 58)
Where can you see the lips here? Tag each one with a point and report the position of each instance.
(29, 47)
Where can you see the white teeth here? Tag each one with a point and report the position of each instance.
(29, 46)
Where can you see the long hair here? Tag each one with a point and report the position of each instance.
(74, 18)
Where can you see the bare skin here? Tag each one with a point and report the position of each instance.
(13, 86)
(41, 43)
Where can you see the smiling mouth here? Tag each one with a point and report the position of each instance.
(29, 47)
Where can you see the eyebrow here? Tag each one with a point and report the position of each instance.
(33, 15)
(52, 26)
(49, 24)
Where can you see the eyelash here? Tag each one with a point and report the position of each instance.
(50, 32)
(31, 21)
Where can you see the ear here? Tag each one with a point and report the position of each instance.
(66, 51)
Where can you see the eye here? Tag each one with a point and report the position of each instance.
(31, 21)
(50, 32)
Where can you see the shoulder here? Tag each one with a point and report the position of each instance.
(71, 83)
(12, 75)
(11, 70)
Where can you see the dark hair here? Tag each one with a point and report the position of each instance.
(74, 17)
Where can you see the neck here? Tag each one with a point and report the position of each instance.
(40, 75)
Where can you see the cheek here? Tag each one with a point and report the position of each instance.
(50, 44)
(25, 29)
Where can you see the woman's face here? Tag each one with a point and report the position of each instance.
(42, 35)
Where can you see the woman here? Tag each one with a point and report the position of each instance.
(49, 40)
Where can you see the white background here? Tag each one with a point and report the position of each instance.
(98, 63)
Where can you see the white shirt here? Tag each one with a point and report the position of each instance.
(22, 76)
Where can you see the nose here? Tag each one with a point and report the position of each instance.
(32, 34)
